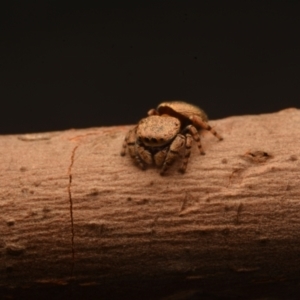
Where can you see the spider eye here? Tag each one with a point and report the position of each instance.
(151, 141)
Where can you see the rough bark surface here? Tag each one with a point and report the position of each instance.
(78, 219)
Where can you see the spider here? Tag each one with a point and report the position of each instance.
(167, 134)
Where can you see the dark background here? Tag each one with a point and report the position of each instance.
(67, 65)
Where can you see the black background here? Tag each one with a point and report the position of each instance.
(70, 64)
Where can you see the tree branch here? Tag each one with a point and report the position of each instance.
(78, 218)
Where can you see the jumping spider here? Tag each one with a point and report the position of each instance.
(166, 134)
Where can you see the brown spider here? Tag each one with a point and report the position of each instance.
(166, 134)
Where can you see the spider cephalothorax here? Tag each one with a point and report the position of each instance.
(166, 134)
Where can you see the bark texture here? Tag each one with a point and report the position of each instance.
(78, 219)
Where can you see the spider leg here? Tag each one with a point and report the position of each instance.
(198, 122)
(187, 152)
(142, 156)
(173, 153)
(152, 112)
(160, 157)
(195, 134)
(129, 142)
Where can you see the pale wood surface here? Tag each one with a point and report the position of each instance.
(228, 227)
